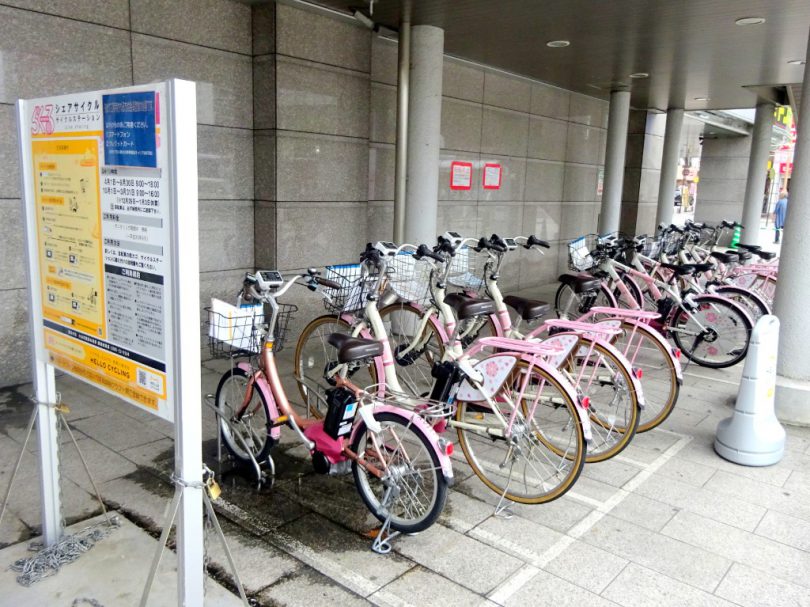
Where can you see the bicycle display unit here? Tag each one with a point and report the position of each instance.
(419, 347)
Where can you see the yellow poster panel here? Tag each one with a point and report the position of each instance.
(115, 373)
(66, 185)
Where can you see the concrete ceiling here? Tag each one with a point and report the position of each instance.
(691, 48)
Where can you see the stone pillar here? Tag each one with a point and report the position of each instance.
(757, 173)
(793, 288)
(424, 134)
(642, 166)
(669, 167)
(618, 117)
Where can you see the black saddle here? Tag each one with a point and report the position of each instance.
(727, 257)
(529, 309)
(580, 283)
(766, 255)
(703, 267)
(680, 270)
(469, 307)
(354, 348)
(744, 255)
(750, 247)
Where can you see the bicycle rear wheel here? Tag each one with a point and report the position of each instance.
(571, 305)
(543, 455)
(715, 334)
(413, 490)
(658, 375)
(599, 374)
(249, 432)
(752, 302)
(314, 357)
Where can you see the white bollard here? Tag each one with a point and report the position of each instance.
(753, 436)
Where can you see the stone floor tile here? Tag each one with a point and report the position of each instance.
(77, 504)
(141, 496)
(587, 566)
(592, 489)
(560, 515)
(638, 586)
(422, 587)
(785, 529)
(762, 494)
(517, 536)
(700, 500)
(612, 472)
(157, 454)
(799, 484)
(459, 558)
(461, 512)
(550, 591)
(104, 464)
(687, 471)
(12, 529)
(753, 588)
(307, 589)
(741, 546)
(702, 452)
(671, 557)
(348, 550)
(117, 431)
(643, 511)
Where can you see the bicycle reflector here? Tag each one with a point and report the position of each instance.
(676, 352)
(586, 402)
(639, 373)
(446, 446)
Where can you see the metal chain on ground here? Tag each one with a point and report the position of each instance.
(47, 561)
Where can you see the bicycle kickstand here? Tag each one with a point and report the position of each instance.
(382, 543)
(503, 509)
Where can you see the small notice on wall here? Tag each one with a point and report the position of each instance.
(492, 176)
(460, 175)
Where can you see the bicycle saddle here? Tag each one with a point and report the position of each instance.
(580, 283)
(766, 255)
(469, 307)
(703, 267)
(727, 257)
(744, 255)
(354, 348)
(529, 309)
(750, 247)
(679, 270)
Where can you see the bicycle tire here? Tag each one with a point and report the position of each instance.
(735, 317)
(229, 397)
(613, 425)
(405, 472)
(568, 304)
(753, 303)
(413, 370)
(658, 378)
(321, 355)
(635, 293)
(474, 443)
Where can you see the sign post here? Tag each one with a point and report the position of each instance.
(108, 177)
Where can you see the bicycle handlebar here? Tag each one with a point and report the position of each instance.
(424, 251)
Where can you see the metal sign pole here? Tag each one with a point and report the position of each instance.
(186, 305)
(44, 377)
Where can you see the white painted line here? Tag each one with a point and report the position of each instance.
(718, 380)
(630, 460)
(526, 573)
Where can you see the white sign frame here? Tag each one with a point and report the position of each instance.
(182, 342)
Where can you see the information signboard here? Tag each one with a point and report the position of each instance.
(100, 183)
(460, 175)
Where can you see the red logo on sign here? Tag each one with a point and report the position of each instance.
(41, 120)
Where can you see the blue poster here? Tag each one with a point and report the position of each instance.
(129, 129)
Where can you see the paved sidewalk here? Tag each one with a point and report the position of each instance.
(666, 523)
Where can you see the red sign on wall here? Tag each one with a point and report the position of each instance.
(460, 175)
(492, 176)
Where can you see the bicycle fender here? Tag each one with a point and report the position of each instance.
(433, 438)
(656, 335)
(620, 357)
(275, 433)
(584, 419)
(708, 297)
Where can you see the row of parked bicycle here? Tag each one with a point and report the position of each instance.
(419, 342)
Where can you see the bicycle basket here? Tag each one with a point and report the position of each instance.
(409, 277)
(651, 248)
(353, 291)
(467, 269)
(581, 253)
(234, 332)
(671, 243)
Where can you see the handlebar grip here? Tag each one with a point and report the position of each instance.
(424, 251)
(496, 243)
(444, 246)
(325, 282)
(533, 240)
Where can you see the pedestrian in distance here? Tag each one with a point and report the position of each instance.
(779, 212)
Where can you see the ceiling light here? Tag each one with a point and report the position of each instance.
(797, 62)
(558, 43)
(750, 21)
(639, 75)
(702, 98)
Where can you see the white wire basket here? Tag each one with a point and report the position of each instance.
(580, 253)
(354, 288)
(409, 277)
(467, 269)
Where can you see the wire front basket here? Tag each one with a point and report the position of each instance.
(241, 332)
(354, 288)
(581, 253)
(467, 269)
(409, 277)
(650, 247)
(671, 243)
(431, 410)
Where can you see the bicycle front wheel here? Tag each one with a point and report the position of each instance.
(416, 345)
(541, 456)
(245, 431)
(752, 302)
(315, 358)
(572, 305)
(715, 334)
(413, 490)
